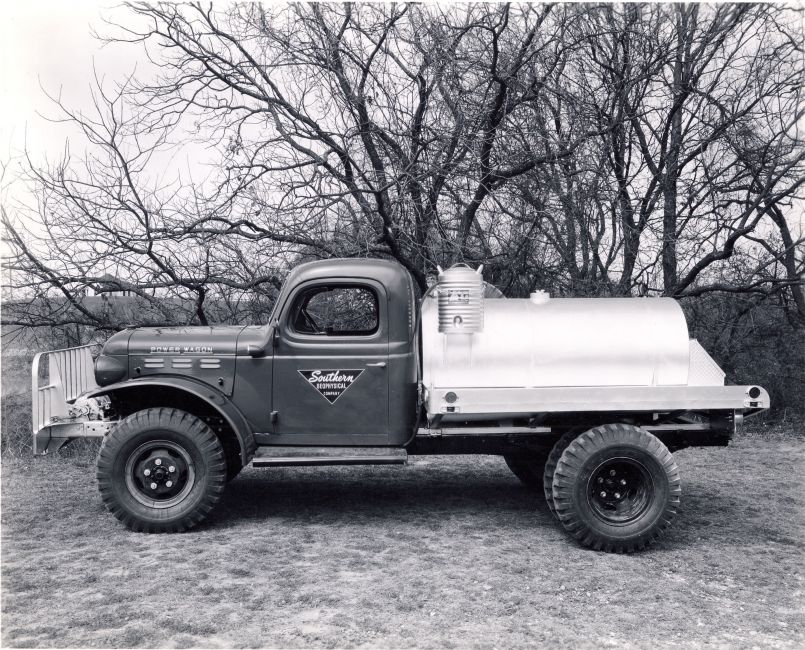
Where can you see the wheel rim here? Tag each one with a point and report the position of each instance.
(620, 490)
(160, 473)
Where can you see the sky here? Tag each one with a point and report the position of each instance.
(48, 45)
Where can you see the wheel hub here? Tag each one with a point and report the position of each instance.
(620, 490)
(159, 473)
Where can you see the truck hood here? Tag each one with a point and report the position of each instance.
(219, 340)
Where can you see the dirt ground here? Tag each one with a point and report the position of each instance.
(446, 552)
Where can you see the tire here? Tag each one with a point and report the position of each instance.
(616, 488)
(527, 468)
(550, 467)
(230, 446)
(161, 470)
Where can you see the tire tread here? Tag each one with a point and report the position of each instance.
(572, 460)
(171, 419)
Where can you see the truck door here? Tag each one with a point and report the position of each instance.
(330, 372)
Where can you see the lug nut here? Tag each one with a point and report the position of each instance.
(603, 495)
(158, 461)
(168, 483)
(600, 480)
(147, 472)
(623, 481)
(153, 486)
(617, 495)
(612, 472)
(171, 468)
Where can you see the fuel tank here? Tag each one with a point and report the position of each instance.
(546, 341)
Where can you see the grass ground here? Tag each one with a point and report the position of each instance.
(446, 552)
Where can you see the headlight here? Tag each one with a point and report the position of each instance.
(108, 370)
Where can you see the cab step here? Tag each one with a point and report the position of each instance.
(300, 456)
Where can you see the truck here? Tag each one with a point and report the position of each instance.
(586, 399)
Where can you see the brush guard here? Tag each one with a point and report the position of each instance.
(59, 413)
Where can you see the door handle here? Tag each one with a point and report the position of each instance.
(379, 364)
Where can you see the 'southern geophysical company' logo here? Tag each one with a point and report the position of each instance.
(331, 383)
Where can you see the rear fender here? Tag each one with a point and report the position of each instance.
(126, 390)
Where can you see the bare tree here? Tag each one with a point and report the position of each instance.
(587, 149)
(702, 142)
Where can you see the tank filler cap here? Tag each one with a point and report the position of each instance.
(540, 297)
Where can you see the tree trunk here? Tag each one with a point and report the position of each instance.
(669, 266)
(790, 263)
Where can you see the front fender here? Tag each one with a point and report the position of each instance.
(209, 395)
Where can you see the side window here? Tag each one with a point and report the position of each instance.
(336, 311)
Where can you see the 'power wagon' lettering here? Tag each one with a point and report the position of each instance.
(181, 349)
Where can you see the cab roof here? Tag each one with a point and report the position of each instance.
(391, 274)
(396, 280)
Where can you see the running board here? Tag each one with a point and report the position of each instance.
(301, 456)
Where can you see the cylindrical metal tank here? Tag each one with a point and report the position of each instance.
(461, 300)
(561, 342)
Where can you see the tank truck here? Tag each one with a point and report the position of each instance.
(586, 399)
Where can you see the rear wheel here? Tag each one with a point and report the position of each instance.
(161, 470)
(616, 488)
(528, 468)
(550, 467)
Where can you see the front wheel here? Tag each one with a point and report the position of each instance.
(161, 470)
(616, 488)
